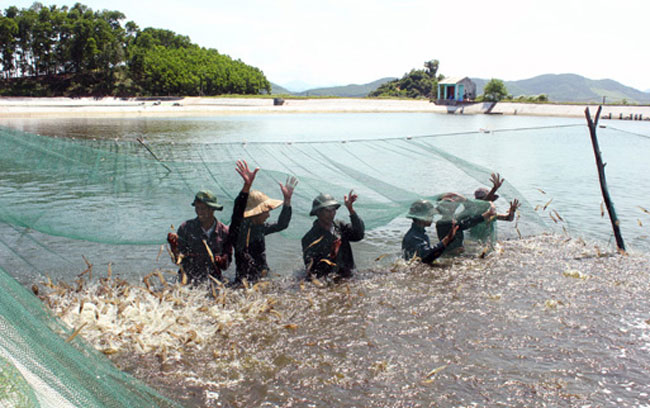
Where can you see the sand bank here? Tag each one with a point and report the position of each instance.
(13, 107)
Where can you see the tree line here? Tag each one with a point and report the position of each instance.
(51, 51)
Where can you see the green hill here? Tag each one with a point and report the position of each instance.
(572, 88)
(51, 51)
(559, 88)
(348, 91)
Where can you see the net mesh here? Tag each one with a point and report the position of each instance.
(118, 193)
(40, 368)
(125, 193)
(14, 389)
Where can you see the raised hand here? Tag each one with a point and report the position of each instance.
(349, 200)
(497, 181)
(514, 205)
(287, 189)
(246, 174)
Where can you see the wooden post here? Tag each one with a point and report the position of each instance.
(601, 177)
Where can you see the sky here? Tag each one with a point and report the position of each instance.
(340, 42)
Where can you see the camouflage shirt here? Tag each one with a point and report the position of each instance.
(444, 226)
(325, 251)
(416, 243)
(196, 262)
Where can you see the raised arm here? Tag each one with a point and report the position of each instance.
(349, 200)
(285, 214)
(246, 174)
(357, 229)
(287, 189)
(497, 181)
(514, 205)
(240, 203)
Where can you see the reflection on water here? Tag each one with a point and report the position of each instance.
(541, 321)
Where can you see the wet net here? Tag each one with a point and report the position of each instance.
(42, 364)
(126, 193)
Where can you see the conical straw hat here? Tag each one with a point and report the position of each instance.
(258, 202)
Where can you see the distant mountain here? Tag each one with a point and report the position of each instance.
(559, 88)
(348, 91)
(571, 88)
(297, 86)
(278, 90)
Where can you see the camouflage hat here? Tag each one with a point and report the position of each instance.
(421, 210)
(208, 198)
(323, 201)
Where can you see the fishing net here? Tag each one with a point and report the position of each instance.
(14, 389)
(118, 192)
(124, 194)
(38, 367)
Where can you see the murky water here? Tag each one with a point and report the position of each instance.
(544, 321)
(541, 321)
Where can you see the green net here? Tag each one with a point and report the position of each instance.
(14, 389)
(125, 194)
(116, 192)
(40, 368)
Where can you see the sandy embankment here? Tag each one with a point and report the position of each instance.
(17, 107)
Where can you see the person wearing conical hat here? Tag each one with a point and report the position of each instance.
(326, 246)
(203, 245)
(250, 249)
(416, 242)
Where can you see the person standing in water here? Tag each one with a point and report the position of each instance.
(250, 248)
(486, 231)
(416, 241)
(326, 246)
(447, 207)
(203, 245)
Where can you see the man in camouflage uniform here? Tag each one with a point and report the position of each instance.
(416, 241)
(326, 246)
(486, 232)
(203, 246)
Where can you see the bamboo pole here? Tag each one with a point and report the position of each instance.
(141, 141)
(601, 177)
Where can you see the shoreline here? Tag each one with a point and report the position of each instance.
(63, 107)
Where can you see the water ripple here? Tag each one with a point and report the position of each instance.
(542, 321)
